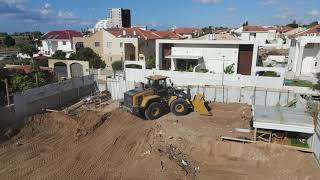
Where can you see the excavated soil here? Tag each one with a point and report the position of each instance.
(117, 145)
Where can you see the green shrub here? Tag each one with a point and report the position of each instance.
(229, 69)
(117, 65)
(151, 63)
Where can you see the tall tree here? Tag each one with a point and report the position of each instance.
(9, 41)
(117, 66)
(314, 23)
(28, 49)
(3, 34)
(31, 50)
(87, 54)
(293, 24)
(150, 62)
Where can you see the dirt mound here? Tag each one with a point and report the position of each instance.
(117, 145)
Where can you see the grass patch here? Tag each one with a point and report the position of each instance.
(298, 143)
(300, 83)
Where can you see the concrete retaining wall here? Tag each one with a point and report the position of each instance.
(54, 95)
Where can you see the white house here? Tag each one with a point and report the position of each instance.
(58, 40)
(304, 54)
(258, 34)
(207, 55)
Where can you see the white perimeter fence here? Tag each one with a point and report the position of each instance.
(226, 94)
(192, 78)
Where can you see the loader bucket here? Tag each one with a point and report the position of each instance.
(200, 105)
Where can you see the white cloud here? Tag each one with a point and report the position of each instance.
(209, 1)
(231, 9)
(12, 2)
(47, 5)
(66, 15)
(269, 2)
(314, 13)
(46, 9)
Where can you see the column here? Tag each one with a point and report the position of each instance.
(69, 70)
(173, 64)
(299, 61)
(158, 55)
(136, 52)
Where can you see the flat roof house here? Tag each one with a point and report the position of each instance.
(304, 54)
(207, 55)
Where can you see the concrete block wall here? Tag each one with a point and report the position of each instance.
(54, 95)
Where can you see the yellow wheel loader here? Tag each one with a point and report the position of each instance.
(153, 99)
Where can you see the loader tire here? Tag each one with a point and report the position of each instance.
(179, 107)
(153, 111)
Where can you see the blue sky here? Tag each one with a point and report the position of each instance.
(44, 15)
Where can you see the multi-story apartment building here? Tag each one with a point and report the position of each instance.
(116, 18)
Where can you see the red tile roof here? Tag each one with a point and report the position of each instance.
(27, 68)
(283, 29)
(255, 28)
(139, 33)
(221, 30)
(168, 35)
(186, 30)
(315, 30)
(63, 34)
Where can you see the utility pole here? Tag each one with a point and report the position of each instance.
(7, 91)
(223, 77)
(33, 67)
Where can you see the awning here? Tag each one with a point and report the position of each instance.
(183, 57)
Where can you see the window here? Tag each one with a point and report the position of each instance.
(121, 44)
(110, 59)
(97, 44)
(316, 64)
(158, 84)
(141, 58)
(253, 34)
(64, 42)
(109, 45)
(318, 30)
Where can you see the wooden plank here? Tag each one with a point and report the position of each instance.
(236, 139)
(307, 150)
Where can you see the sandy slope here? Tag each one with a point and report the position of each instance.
(118, 145)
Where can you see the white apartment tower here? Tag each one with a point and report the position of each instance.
(116, 18)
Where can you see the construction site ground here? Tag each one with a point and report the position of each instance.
(113, 144)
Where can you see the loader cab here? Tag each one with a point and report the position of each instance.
(159, 84)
